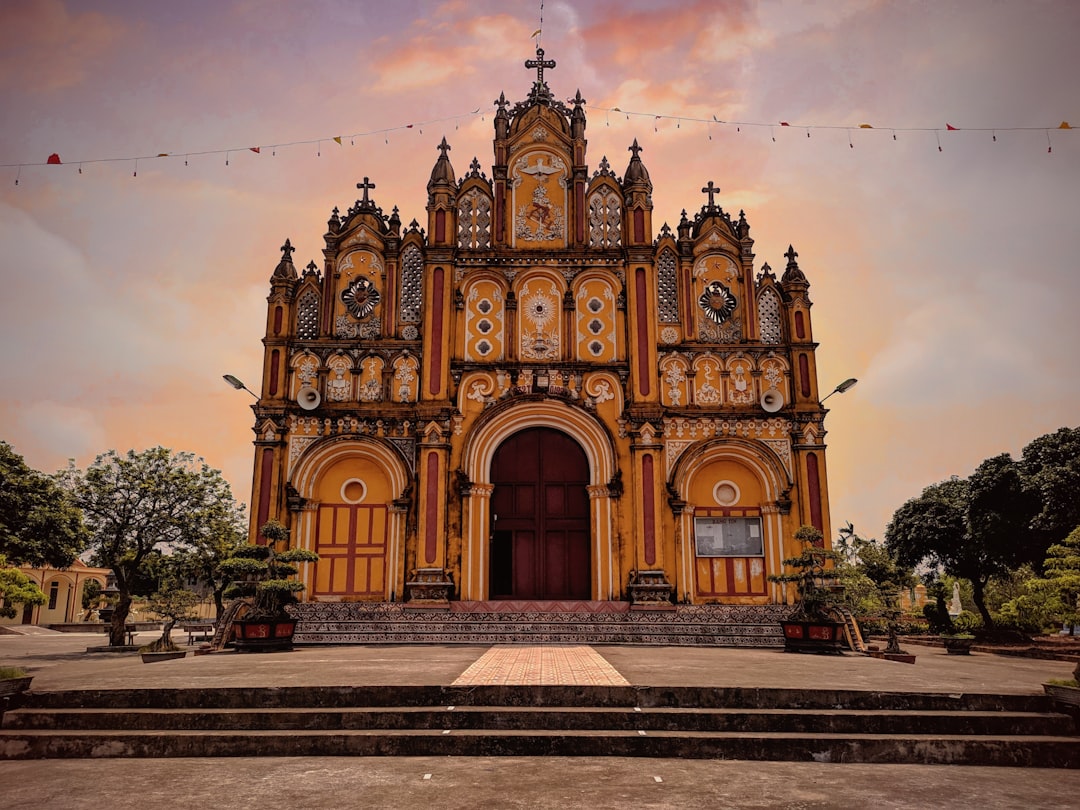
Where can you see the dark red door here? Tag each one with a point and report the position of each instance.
(540, 517)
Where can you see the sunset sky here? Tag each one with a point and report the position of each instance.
(945, 280)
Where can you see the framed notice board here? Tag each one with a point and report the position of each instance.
(728, 537)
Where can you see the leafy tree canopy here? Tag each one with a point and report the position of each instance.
(138, 504)
(16, 588)
(1051, 466)
(39, 525)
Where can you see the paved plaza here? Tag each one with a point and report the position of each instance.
(60, 662)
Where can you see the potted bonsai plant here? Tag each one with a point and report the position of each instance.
(173, 604)
(263, 577)
(959, 641)
(812, 628)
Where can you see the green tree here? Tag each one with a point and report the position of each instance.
(140, 503)
(1054, 596)
(16, 588)
(202, 562)
(1051, 466)
(1000, 510)
(39, 525)
(933, 529)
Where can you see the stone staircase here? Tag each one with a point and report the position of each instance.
(532, 622)
(664, 722)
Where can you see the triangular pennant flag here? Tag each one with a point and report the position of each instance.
(1064, 125)
(950, 128)
(337, 140)
(408, 126)
(785, 124)
(535, 33)
(865, 126)
(54, 159)
(162, 154)
(255, 149)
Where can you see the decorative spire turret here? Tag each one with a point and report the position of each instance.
(365, 201)
(792, 274)
(442, 173)
(636, 171)
(285, 271)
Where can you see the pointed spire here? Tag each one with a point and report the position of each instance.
(334, 223)
(636, 171)
(285, 271)
(743, 228)
(394, 223)
(443, 172)
(792, 274)
(684, 226)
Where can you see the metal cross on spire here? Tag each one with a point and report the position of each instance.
(711, 190)
(539, 63)
(365, 186)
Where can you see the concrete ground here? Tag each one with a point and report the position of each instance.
(61, 662)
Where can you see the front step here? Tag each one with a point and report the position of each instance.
(690, 722)
(539, 622)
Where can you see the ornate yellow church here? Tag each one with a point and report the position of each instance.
(537, 394)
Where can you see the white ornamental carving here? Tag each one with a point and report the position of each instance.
(707, 393)
(782, 448)
(539, 311)
(297, 445)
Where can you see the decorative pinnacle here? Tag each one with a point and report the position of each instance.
(365, 186)
(287, 251)
(312, 267)
(443, 147)
(539, 63)
(790, 256)
(634, 148)
(501, 101)
(578, 99)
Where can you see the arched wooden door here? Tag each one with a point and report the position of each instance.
(540, 517)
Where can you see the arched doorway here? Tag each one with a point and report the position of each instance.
(539, 517)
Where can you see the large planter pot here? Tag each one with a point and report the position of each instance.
(13, 686)
(165, 655)
(957, 646)
(257, 635)
(1069, 695)
(816, 636)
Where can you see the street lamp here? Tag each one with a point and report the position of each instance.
(235, 383)
(841, 388)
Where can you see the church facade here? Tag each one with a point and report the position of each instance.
(538, 395)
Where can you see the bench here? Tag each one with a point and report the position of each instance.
(203, 630)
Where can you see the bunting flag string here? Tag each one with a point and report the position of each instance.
(54, 158)
(709, 122)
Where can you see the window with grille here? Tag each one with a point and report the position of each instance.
(769, 316)
(412, 288)
(307, 317)
(669, 296)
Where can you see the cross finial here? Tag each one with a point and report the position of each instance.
(287, 251)
(365, 186)
(539, 63)
(634, 148)
(711, 191)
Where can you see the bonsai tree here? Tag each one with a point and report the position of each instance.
(172, 604)
(262, 574)
(812, 574)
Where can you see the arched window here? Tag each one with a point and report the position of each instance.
(474, 220)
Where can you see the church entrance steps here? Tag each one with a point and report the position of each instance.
(549, 621)
(690, 722)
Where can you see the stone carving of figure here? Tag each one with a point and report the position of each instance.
(955, 608)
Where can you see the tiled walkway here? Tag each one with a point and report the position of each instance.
(545, 665)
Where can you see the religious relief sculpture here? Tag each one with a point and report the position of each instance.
(405, 378)
(371, 382)
(538, 218)
(540, 332)
(339, 386)
(360, 298)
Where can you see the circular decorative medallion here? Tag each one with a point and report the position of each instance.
(410, 333)
(669, 334)
(717, 302)
(360, 298)
(483, 347)
(726, 493)
(484, 326)
(353, 491)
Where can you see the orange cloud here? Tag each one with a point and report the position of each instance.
(49, 48)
